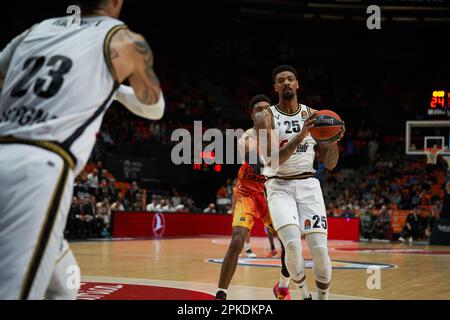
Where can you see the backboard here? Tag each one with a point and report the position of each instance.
(422, 135)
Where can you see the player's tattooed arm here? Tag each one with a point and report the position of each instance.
(151, 89)
(132, 59)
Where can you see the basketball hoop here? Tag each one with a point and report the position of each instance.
(432, 154)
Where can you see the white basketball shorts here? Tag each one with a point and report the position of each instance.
(297, 202)
(35, 197)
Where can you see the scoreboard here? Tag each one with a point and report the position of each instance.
(439, 103)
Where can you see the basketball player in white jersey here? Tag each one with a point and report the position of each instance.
(294, 195)
(58, 80)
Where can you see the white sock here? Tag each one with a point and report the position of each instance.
(247, 247)
(224, 290)
(323, 294)
(284, 281)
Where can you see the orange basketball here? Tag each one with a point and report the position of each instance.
(327, 126)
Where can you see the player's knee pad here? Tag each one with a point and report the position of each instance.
(291, 239)
(288, 234)
(322, 264)
(294, 250)
(320, 257)
(294, 260)
(317, 243)
(293, 245)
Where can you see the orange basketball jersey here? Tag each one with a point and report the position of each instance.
(249, 182)
(250, 198)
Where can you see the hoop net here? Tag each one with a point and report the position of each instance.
(432, 154)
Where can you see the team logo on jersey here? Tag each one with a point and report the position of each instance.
(158, 225)
(304, 114)
(303, 147)
(307, 224)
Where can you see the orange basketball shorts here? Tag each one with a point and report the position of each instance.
(251, 207)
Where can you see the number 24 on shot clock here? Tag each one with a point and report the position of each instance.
(440, 99)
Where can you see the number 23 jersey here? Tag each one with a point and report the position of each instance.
(60, 83)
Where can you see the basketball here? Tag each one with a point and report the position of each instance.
(327, 126)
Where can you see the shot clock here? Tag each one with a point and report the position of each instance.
(439, 103)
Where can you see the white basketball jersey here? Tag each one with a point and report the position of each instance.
(287, 126)
(59, 84)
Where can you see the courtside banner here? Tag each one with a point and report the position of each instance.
(174, 224)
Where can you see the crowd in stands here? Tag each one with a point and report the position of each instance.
(418, 224)
(401, 183)
(97, 194)
(177, 202)
(393, 182)
(224, 196)
(221, 102)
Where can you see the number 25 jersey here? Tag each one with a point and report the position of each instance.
(286, 126)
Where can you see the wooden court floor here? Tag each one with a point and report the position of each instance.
(418, 271)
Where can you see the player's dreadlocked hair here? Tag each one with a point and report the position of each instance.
(89, 5)
(256, 99)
